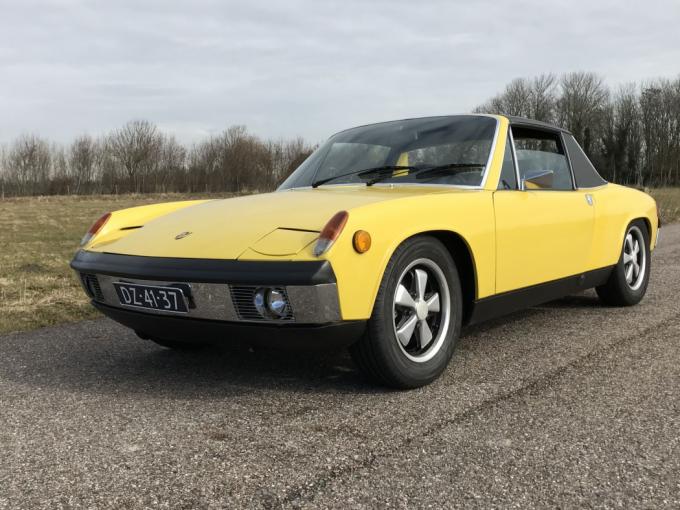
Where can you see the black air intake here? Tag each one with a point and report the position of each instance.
(91, 285)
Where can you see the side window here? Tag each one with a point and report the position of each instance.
(541, 160)
(508, 178)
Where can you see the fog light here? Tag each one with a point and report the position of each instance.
(277, 303)
(259, 302)
(271, 303)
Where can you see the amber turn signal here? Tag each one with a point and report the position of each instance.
(361, 241)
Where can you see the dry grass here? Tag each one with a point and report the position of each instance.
(38, 237)
(668, 201)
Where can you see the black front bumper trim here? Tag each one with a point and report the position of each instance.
(205, 270)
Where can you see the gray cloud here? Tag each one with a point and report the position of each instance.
(303, 67)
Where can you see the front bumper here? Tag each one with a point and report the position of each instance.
(285, 336)
(217, 290)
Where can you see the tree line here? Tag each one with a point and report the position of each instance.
(138, 158)
(631, 134)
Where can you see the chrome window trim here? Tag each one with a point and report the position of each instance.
(591, 188)
(492, 153)
(519, 186)
(520, 183)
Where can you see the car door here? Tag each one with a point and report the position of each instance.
(544, 226)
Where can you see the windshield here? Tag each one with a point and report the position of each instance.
(462, 143)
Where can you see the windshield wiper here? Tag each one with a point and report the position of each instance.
(425, 171)
(385, 171)
(436, 171)
(380, 173)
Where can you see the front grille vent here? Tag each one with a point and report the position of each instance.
(92, 287)
(243, 298)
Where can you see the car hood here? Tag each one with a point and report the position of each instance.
(280, 223)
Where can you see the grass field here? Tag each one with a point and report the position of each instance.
(38, 237)
(668, 201)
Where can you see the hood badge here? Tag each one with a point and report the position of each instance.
(182, 235)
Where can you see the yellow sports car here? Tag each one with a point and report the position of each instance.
(388, 238)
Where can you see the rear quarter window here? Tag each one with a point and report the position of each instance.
(585, 174)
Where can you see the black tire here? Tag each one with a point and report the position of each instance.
(379, 354)
(617, 291)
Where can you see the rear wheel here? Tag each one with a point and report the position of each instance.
(628, 282)
(416, 317)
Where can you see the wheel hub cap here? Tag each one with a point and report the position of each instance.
(421, 309)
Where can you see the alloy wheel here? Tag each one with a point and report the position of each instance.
(421, 310)
(634, 258)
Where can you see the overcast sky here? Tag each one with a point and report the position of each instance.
(303, 67)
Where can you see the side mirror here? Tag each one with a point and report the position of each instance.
(538, 179)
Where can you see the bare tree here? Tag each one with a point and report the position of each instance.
(28, 165)
(581, 106)
(632, 136)
(136, 147)
(514, 100)
(543, 99)
(622, 138)
(170, 174)
(660, 113)
(83, 161)
(533, 98)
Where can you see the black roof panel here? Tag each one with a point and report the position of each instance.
(521, 121)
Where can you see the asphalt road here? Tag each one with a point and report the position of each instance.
(568, 404)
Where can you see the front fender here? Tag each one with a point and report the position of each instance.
(468, 214)
(124, 221)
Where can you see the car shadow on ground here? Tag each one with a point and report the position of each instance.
(102, 357)
(585, 300)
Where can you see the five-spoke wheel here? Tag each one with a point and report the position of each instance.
(628, 281)
(634, 258)
(416, 317)
(421, 309)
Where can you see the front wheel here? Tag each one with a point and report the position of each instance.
(628, 282)
(416, 317)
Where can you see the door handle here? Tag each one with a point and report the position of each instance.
(589, 198)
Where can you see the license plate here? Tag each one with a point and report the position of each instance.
(164, 299)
